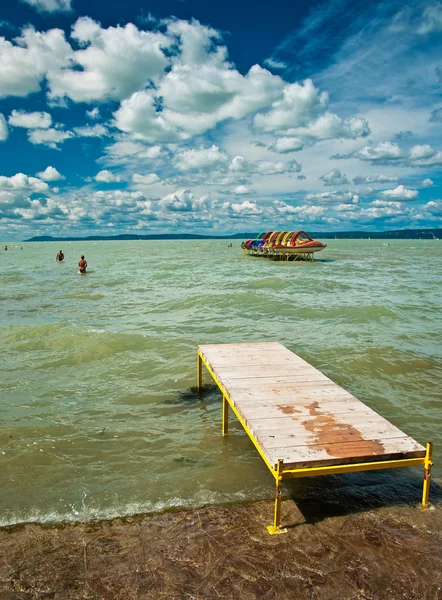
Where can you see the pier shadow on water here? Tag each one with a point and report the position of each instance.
(325, 497)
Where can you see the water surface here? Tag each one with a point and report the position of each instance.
(97, 409)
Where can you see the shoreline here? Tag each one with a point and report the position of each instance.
(226, 552)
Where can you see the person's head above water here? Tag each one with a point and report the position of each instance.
(82, 257)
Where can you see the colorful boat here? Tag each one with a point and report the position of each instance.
(283, 244)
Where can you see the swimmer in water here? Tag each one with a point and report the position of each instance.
(82, 264)
(60, 256)
(6, 247)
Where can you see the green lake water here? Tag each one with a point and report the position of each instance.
(98, 415)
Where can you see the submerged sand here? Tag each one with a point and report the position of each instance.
(226, 552)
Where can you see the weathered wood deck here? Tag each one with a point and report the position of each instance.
(301, 422)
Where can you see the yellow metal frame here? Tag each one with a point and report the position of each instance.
(280, 473)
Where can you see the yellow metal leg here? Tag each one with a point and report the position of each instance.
(427, 474)
(276, 528)
(199, 373)
(225, 416)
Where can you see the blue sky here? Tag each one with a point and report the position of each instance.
(191, 116)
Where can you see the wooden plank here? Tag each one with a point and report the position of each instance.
(345, 453)
(298, 414)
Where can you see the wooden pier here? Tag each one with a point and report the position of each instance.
(302, 423)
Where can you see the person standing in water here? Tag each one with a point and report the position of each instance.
(82, 264)
(60, 256)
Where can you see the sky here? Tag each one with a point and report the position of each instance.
(188, 116)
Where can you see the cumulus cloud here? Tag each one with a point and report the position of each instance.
(375, 178)
(246, 208)
(126, 150)
(30, 120)
(427, 183)
(302, 111)
(425, 156)
(111, 63)
(25, 63)
(285, 145)
(4, 133)
(145, 179)
(180, 201)
(242, 190)
(50, 6)
(383, 151)
(106, 176)
(201, 160)
(16, 192)
(49, 137)
(20, 181)
(50, 174)
(401, 193)
(334, 177)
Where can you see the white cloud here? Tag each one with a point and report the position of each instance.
(383, 151)
(306, 213)
(91, 131)
(93, 114)
(204, 159)
(145, 179)
(107, 177)
(15, 192)
(127, 149)
(266, 167)
(285, 145)
(49, 137)
(333, 197)
(4, 133)
(302, 112)
(275, 64)
(299, 105)
(334, 177)
(427, 183)
(401, 193)
(425, 156)
(50, 174)
(375, 178)
(25, 63)
(421, 152)
(20, 181)
(246, 208)
(30, 120)
(50, 6)
(111, 63)
(242, 190)
(179, 201)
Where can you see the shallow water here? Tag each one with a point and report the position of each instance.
(97, 409)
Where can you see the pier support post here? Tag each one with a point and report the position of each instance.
(199, 373)
(427, 474)
(276, 527)
(225, 416)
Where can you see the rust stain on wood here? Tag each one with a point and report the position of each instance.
(287, 409)
(328, 432)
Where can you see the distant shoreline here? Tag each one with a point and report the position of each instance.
(400, 234)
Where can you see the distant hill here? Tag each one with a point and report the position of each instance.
(399, 234)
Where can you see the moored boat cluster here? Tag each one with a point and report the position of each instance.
(285, 245)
